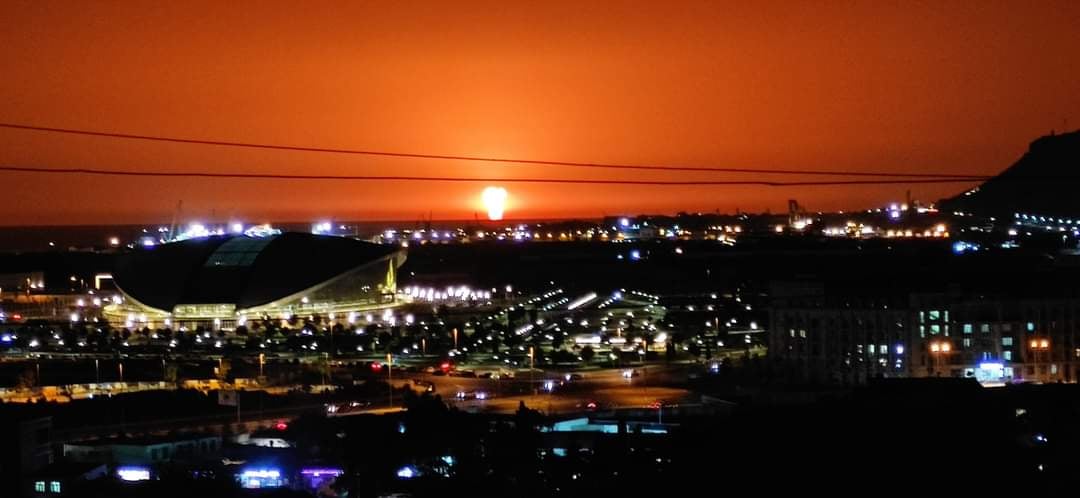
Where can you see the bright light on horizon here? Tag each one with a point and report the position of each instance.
(494, 199)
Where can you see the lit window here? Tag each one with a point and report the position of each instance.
(935, 315)
(1031, 326)
(984, 328)
(1007, 355)
(935, 329)
(967, 342)
(922, 330)
(54, 487)
(39, 486)
(967, 328)
(946, 315)
(1006, 341)
(922, 317)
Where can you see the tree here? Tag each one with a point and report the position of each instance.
(171, 372)
(27, 379)
(526, 418)
(223, 368)
(562, 356)
(587, 354)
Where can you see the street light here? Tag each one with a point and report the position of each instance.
(1038, 346)
(532, 368)
(390, 376)
(938, 348)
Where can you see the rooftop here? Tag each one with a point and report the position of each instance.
(240, 270)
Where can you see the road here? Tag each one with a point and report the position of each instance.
(605, 388)
(603, 399)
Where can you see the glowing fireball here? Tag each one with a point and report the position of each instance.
(494, 201)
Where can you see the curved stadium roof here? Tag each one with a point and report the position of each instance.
(240, 270)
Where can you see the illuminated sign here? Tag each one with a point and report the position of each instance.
(133, 474)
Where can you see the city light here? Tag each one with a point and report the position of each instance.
(581, 301)
(322, 228)
(133, 474)
(321, 472)
(247, 474)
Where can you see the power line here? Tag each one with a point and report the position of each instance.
(407, 178)
(484, 159)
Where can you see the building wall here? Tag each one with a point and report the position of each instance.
(145, 453)
(850, 338)
(25, 447)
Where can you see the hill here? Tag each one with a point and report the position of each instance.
(1044, 181)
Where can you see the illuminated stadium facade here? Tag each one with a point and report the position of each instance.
(221, 282)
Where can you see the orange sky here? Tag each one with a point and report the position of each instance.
(876, 85)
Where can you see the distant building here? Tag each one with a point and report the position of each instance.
(263, 439)
(221, 282)
(63, 479)
(1001, 327)
(25, 447)
(143, 451)
(13, 284)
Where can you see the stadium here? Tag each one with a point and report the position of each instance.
(221, 282)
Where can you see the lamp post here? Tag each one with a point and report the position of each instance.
(455, 337)
(938, 348)
(532, 368)
(390, 376)
(1038, 346)
(645, 366)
